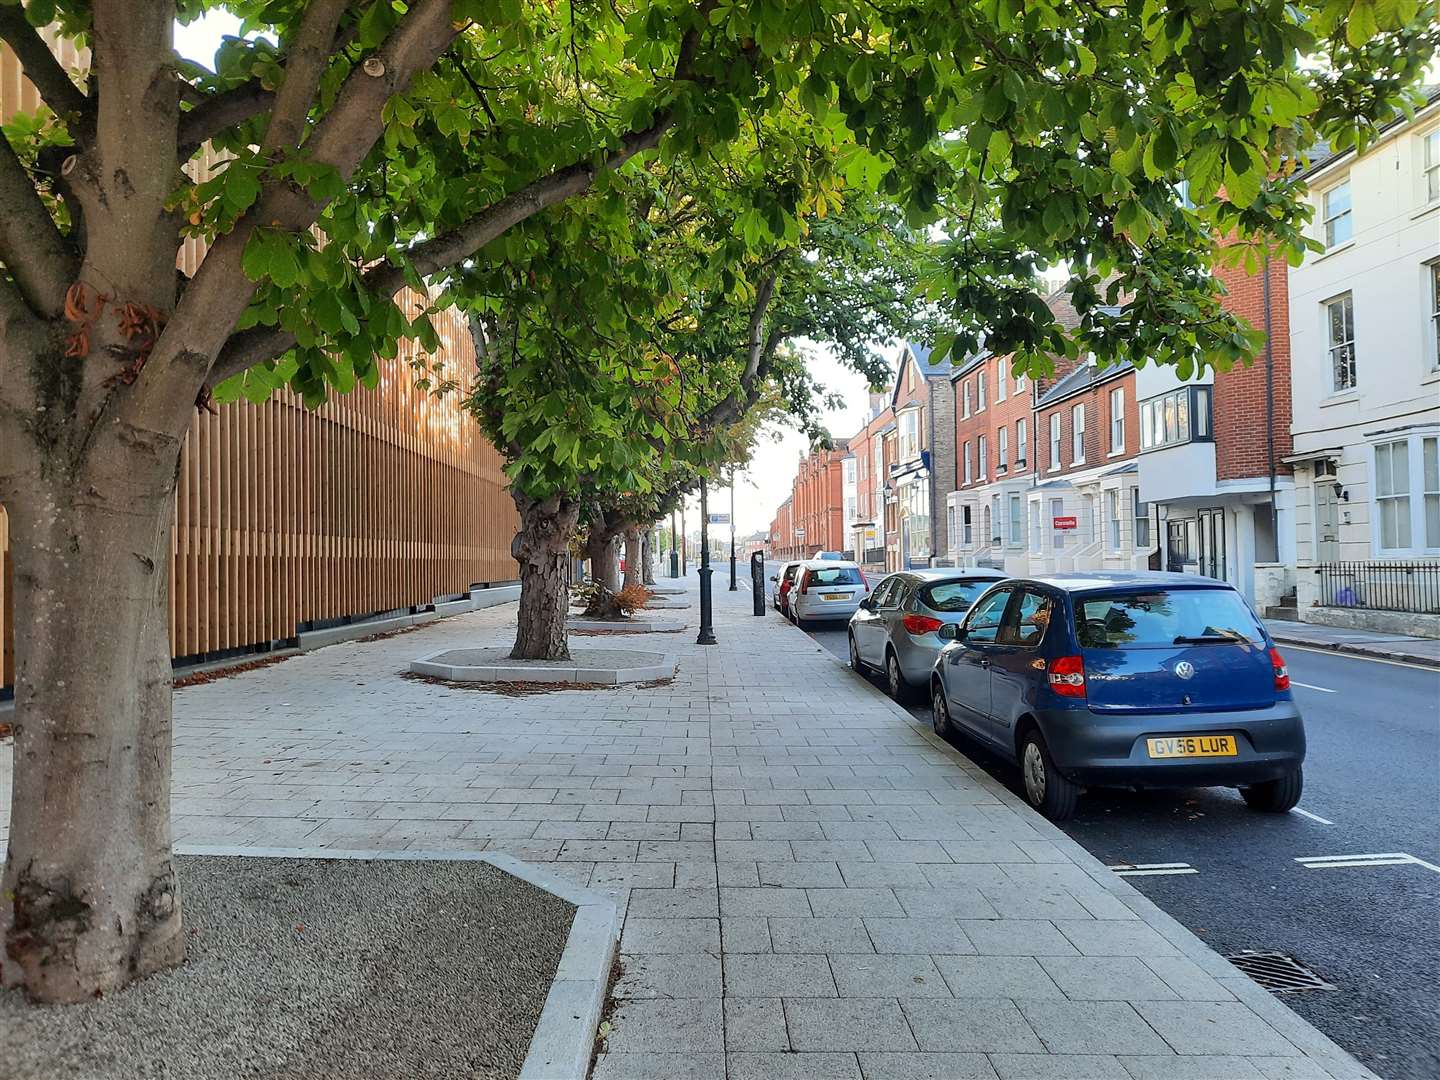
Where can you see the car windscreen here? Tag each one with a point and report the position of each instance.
(953, 595)
(1164, 617)
(834, 575)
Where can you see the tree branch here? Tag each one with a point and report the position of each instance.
(221, 111)
(53, 82)
(252, 347)
(310, 52)
(31, 247)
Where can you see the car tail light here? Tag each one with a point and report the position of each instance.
(1282, 673)
(805, 581)
(921, 624)
(1067, 676)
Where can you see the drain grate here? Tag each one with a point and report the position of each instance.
(1278, 973)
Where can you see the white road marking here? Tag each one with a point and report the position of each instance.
(1359, 656)
(1388, 858)
(1167, 869)
(1307, 686)
(1312, 817)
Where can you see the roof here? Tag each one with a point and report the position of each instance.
(1085, 580)
(1082, 378)
(1321, 155)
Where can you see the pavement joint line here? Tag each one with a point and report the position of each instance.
(1312, 817)
(564, 1037)
(1388, 858)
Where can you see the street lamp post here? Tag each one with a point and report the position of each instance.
(707, 630)
(674, 552)
(684, 545)
(733, 586)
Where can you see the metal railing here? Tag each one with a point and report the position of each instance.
(1381, 586)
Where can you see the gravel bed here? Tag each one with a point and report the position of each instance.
(304, 969)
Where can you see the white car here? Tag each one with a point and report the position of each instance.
(826, 589)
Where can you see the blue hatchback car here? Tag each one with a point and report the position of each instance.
(1135, 679)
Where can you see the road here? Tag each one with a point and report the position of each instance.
(1373, 774)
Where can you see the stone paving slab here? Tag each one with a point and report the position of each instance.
(785, 843)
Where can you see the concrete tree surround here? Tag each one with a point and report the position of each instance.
(606, 667)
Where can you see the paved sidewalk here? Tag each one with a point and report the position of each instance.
(1412, 650)
(816, 887)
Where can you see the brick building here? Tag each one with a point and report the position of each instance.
(920, 460)
(866, 530)
(994, 460)
(1085, 510)
(1212, 453)
(813, 518)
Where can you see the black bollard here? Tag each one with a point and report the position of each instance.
(757, 581)
(707, 628)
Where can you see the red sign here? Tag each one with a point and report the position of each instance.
(1067, 523)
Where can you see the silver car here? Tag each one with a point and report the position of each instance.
(826, 589)
(894, 630)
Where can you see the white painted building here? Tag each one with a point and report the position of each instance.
(1365, 344)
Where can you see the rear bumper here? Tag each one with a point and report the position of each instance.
(806, 608)
(1104, 749)
(917, 655)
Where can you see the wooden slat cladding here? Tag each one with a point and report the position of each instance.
(380, 499)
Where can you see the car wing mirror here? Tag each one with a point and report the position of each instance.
(951, 632)
(867, 604)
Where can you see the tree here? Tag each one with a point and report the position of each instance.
(411, 135)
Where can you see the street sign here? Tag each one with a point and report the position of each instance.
(1067, 523)
(719, 519)
(800, 533)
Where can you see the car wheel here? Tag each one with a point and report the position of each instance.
(855, 662)
(940, 712)
(1045, 789)
(895, 682)
(1275, 796)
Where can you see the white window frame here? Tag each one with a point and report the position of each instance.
(982, 465)
(1139, 511)
(1020, 443)
(1342, 355)
(1000, 380)
(980, 390)
(1057, 509)
(1077, 434)
(1112, 515)
(993, 513)
(1432, 271)
(1002, 450)
(967, 524)
(1117, 420)
(1016, 512)
(1056, 441)
(969, 472)
(1420, 489)
(1020, 383)
(1430, 167)
(965, 398)
(1331, 224)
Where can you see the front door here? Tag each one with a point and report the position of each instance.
(1210, 527)
(1177, 543)
(1327, 520)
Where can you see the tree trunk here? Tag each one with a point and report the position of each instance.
(541, 547)
(600, 550)
(90, 899)
(647, 557)
(634, 558)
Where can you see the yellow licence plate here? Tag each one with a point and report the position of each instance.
(1193, 746)
(836, 596)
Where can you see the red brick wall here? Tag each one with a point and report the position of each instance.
(1096, 399)
(997, 414)
(1239, 411)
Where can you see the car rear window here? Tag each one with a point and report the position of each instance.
(1164, 617)
(953, 595)
(835, 575)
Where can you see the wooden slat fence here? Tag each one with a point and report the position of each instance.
(381, 499)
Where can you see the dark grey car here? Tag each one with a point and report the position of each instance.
(895, 629)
